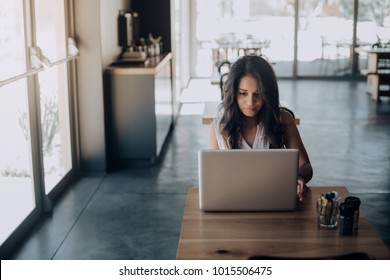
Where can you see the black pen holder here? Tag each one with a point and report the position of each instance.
(349, 215)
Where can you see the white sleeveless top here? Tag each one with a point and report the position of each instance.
(259, 143)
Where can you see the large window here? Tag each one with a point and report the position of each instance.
(224, 28)
(301, 38)
(325, 32)
(35, 147)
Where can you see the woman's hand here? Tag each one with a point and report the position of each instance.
(301, 189)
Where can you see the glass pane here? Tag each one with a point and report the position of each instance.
(228, 29)
(53, 88)
(325, 37)
(55, 124)
(12, 47)
(16, 184)
(17, 198)
(50, 28)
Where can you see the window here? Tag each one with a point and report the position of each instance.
(300, 37)
(36, 148)
(223, 29)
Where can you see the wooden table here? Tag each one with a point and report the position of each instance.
(210, 112)
(241, 235)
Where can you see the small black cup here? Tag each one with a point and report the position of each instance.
(354, 202)
(346, 219)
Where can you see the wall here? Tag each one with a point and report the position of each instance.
(96, 35)
(180, 30)
(185, 48)
(155, 18)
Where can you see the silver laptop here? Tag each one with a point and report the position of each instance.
(248, 180)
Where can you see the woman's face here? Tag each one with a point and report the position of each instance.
(249, 97)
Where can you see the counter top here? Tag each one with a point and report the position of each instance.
(151, 67)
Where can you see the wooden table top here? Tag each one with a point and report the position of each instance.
(243, 235)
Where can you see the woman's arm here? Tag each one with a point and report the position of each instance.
(212, 142)
(293, 141)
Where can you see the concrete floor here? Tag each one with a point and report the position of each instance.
(136, 213)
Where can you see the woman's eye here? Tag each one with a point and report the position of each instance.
(259, 95)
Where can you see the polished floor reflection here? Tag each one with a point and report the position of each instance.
(136, 213)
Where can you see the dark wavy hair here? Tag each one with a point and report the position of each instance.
(232, 120)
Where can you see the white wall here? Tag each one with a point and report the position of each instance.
(180, 30)
(185, 45)
(96, 35)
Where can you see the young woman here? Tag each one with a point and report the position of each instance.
(253, 118)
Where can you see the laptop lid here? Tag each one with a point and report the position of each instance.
(248, 180)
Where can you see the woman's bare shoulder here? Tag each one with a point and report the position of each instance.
(286, 117)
